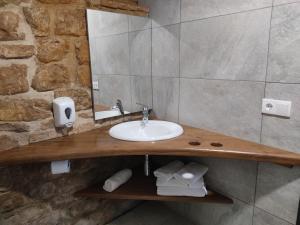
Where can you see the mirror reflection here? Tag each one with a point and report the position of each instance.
(120, 52)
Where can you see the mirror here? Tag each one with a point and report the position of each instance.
(120, 52)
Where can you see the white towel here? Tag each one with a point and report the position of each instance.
(166, 172)
(175, 183)
(190, 173)
(117, 180)
(181, 191)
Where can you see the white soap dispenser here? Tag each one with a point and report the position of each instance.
(64, 112)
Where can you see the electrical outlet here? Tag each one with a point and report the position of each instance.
(95, 85)
(276, 107)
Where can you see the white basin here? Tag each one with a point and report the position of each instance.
(109, 113)
(154, 130)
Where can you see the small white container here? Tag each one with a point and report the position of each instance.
(64, 112)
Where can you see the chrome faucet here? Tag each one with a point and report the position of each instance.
(145, 114)
(120, 107)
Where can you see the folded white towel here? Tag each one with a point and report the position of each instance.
(175, 183)
(190, 173)
(166, 172)
(181, 191)
(117, 180)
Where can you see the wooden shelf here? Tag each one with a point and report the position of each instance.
(194, 142)
(140, 187)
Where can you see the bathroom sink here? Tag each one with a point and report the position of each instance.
(153, 130)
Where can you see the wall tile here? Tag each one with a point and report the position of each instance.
(140, 52)
(164, 12)
(111, 55)
(198, 9)
(165, 98)
(165, 51)
(141, 92)
(113, 87)
(229, 107)
(284, 59)
(263, 218)
(235, 178)
(229, 47)
(238, 213)
(102, 23)
(273, 126)
(278, 191)
(139, 23)
(279, 2)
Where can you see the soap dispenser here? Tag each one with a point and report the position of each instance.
(64, 112)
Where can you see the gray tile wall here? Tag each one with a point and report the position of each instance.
(213, 61)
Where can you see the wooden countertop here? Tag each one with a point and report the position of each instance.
(194, 142)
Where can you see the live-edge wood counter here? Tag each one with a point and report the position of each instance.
(194, 142)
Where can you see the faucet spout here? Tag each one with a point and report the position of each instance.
(145, 112)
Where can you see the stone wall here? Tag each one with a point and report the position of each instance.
(43, 55)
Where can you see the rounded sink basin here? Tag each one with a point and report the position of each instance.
(154, 130)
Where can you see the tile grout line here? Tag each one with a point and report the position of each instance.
(179, 62)
(228, 14)
(270, 214)
(130, 78)
(151, 53)
(262, 117)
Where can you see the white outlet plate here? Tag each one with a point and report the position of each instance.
(95, 85)
(276, 107)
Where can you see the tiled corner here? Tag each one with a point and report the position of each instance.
(165, 51)
(230, 47)
(273, 127)
(166, 97)
(237, 213)
(141, 92)
(140, 52)
(112, 55)
(199, 9)
(139, 23)
(284, 59)
(101, 23)
(261, 217)
(113, 87)
(164, 12)
(235, 178)
(278, 191)
(229, 107)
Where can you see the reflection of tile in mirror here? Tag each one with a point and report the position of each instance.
(102, 23)
(113, 87)
(139, 23)
(140, 52)
(141, 92)
(112, 55)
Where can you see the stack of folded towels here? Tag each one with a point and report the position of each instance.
(177, 179)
